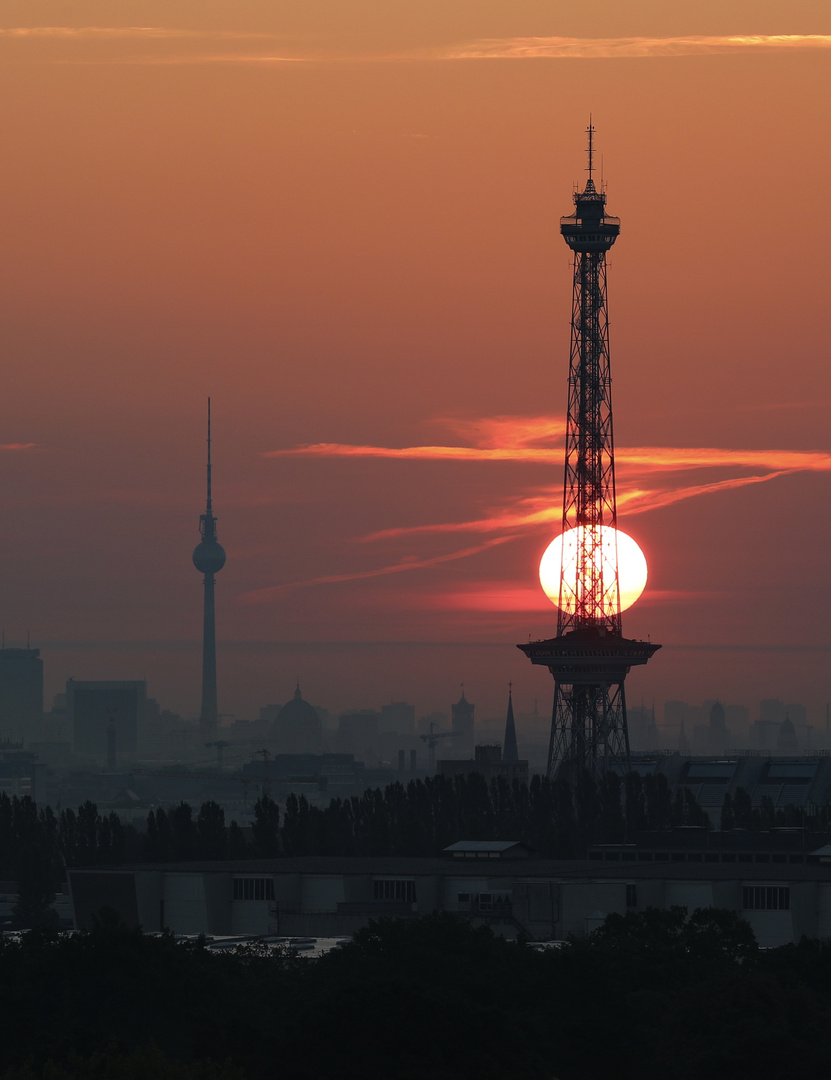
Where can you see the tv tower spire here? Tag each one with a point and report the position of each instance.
(589, 658)
(208, 558)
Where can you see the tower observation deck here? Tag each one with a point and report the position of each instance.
(208, 558)
(589, 658)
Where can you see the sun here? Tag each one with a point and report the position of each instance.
(630, 559)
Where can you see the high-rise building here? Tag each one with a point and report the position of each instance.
(208, 558)
(589, 658)
(462, 727)
(21, 693)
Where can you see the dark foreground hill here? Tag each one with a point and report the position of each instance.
(648, 995)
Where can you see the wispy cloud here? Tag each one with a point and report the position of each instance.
(18, 446)
(540, 439)
(563, 48)
(251, 47)
(259, 596)
(494, 438)
(648, 478)
(663, 458)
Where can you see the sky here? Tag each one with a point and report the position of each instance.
(340, 221)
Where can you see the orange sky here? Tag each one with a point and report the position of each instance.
(340, 220)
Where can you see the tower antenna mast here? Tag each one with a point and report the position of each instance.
(589, 658)
(209, 508)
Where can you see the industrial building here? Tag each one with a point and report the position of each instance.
(782, 888)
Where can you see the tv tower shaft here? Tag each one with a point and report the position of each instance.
(208, 558)
(589, 658)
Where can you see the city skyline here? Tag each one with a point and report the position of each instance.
(347, 237)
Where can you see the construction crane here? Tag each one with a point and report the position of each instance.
(431, 739)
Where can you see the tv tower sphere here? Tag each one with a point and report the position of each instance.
(209, 556)
(589, 658)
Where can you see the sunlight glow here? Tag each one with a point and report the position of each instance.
(631, 563)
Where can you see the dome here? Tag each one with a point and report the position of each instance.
(297, 727)
(209, 557)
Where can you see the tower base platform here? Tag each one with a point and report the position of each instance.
(589, 656)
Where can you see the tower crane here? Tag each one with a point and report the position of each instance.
(431, 739)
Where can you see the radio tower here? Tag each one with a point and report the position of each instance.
(208, 558)
(589, 658)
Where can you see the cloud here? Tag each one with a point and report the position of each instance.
(563, 48)
(523, 439)
(259, 596)
(662, 458)
(496, 438)
(421, 453)
(540, 439)
(18, 446)
(511, 48)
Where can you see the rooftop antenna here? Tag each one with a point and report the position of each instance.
(590, 132)
(209, 508)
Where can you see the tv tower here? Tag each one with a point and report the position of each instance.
(589, 658)
(208, 558)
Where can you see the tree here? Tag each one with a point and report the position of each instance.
(183, 828)
(210, 828)
(266, 827)
(35, 888)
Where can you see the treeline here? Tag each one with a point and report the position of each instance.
(649, 995)
(738, 812)
(556, 818)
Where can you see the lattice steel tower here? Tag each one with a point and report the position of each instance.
(208, 558)
(589, 658)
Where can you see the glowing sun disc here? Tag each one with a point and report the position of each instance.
(631, 565)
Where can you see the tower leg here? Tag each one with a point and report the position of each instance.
(588, 729)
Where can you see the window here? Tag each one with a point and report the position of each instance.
(402, 891)
(463, 898)
(253, 888)
(766, 898)
(485, 901)
(631, 895)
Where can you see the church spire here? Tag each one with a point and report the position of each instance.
(509, 749)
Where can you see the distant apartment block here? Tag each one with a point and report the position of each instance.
(21, 693)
